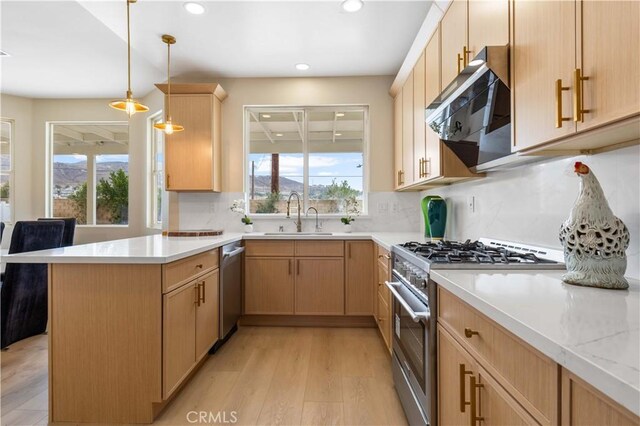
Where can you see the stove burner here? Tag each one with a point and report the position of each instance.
(470, 252)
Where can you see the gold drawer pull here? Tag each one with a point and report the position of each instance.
(473, 388)
(460, 61)
(469, 333)
(463, 400)
(578, 98)
(199, 266)
(559, 117)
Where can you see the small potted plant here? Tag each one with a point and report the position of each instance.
(351, 210)
(238, 207)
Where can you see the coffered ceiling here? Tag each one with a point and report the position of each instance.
(77, 49)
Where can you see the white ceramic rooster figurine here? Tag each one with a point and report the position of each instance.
(594, 240)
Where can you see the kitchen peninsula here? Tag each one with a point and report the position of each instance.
(119, 351)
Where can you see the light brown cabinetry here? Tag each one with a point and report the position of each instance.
(488, 25)
(419, 124)
(193, 156)
(453, 33)
(190, 327)
(359, 278)
(574, 68)
(584, 405)
(319, 286)
(383, 295)
(268, 285)
(397, 140)
(407, 132)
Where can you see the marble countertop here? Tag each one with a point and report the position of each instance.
(161, 249)
(594, 333)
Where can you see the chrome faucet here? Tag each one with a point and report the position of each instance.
(318, 225)
(299, 221)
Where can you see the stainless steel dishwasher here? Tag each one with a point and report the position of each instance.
(230, 291)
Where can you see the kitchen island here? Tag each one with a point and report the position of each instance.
(114, 358)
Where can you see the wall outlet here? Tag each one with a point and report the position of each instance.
(471, 204)
(383, 208)
(396, 207)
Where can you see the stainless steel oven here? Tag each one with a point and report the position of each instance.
(414, 347)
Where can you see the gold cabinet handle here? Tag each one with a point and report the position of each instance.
(420, 167)
(199, 266)
(578, 98)
(474, 387)
(204, 294)
(197, 289)
(401, 177)
(168, 181)
(460, 61)
(427, 170)
(298, 267)
(559, 117)
(463, 400)
(290, 261)
(386, 256)
(469, 333)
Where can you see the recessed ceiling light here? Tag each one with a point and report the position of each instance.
(352, 5)
(338, 134)
(193, 7)
(3, 53)
(476, 62)
(340, 114)
(302, 67)
(266, 116)
(279, 134)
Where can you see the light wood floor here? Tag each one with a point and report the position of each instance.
(266, 375)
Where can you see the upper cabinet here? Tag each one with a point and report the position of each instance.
(453, 33)
(397, 139)
(407, 131)
(574, 68)
(193, 156)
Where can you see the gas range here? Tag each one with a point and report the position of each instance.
(412, 261)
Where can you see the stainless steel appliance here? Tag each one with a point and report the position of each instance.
(415, 308)
(230, 291)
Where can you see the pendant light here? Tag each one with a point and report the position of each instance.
(168, 127)
(129, 105)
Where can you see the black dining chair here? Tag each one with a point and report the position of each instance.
(69, 229)
(23, 296)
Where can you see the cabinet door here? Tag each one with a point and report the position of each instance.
(189, 155)
(178, 336)
(454, 368)
(488, 25)
(319, 286)
(610, 44)
(407, 131)
(453, 33)
(268, 285)
(432, 90)
(397, 139)
(419, 124)
(207, 313)
(359, 273)
(542, 51)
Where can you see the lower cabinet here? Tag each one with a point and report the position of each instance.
(359, 275)
(190, 328)
(268, 285)
(383, 295)
(319, 287)
(467, 394)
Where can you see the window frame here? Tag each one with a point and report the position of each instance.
(152, 172)
(49, 154)
(11, 171)
(306, 109)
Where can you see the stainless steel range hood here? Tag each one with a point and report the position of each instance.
(472, 115)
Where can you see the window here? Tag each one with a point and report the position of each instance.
(90, 172)
(156, 176)
(6, 170)
(318, 152)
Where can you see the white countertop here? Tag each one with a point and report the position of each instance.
(159, 249)
(594, 333)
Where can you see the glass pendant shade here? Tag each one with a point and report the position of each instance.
(168, 127)
(129, 105)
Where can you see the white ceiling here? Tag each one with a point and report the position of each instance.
(69, 49)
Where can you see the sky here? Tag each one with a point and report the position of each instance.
(99, 158)
(322, 167)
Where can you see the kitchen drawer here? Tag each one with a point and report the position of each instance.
(265, 248)
(181, 271)
(320, 248)
(528, 375)
(383, 256)
(384, 320)
(383, 290)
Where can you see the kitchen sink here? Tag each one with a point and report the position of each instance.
(298, 233)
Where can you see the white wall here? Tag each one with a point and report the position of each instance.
(528, 204)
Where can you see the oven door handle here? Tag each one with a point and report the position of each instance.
(415, 316)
